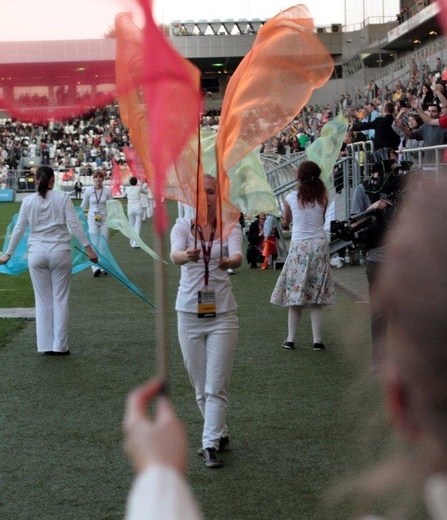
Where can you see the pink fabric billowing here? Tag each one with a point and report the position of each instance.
(161, 97)
(442, 16)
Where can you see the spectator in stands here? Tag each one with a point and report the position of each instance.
(371, 115)
(385, 136)
(431, 134)
(426, 96)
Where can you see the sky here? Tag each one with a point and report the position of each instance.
(27, 20)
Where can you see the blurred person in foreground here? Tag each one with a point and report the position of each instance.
(48, 212)
(413, 291)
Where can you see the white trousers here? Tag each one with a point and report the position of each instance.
(208, 347)
(135, 220)
(96, 229)
(51, 276)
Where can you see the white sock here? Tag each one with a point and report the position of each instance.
(316, 318)
(293, 321)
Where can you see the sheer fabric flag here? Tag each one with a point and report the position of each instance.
(325, 150)
(164, 118)
(18, 263)
(270, 86)
(250, 191)
(442, 15)
(116, 219)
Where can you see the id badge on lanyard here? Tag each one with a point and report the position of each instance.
(206, 307)
(206, 299)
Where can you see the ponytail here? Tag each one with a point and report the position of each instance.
(44, 174)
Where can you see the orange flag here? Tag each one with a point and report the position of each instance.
(270, 86)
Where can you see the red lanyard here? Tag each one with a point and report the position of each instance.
(207, 250)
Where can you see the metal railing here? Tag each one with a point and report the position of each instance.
(348, 173)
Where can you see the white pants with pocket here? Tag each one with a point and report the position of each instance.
(51, 277)
(135, 220)
(208, 347)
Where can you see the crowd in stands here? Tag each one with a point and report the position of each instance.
(88, 144)
(429, 86)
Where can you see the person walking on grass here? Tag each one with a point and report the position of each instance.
(95, 200)
(48, 212)
(135, 208)
(306, 278)
(208, 326)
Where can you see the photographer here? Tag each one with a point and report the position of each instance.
(372, 195)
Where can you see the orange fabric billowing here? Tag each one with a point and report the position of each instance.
(270, 86)
(159, 92)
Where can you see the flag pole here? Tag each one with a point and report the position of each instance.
(162, 305)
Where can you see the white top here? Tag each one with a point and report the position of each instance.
(133, 194)
(192, 273)
(95, 201)
(161, 493)
(308, 222)
(47, 218)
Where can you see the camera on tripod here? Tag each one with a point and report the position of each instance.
(367, 230)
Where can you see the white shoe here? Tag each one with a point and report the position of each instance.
(230, 271)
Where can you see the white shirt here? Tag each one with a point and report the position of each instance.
(161, 493)
(133, 194)
(47, 218)
(96, 202)
(192, 273)
(308, 222)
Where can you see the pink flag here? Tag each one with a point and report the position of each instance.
(172, 97)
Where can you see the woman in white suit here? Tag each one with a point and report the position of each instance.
(48, 212)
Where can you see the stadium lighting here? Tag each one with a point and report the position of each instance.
(229, 25)
(202, 26)
(215, 26)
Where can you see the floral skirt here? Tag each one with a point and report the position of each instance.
(306, 277)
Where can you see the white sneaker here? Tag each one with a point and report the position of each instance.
(230, 271)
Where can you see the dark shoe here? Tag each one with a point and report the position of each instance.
(66, 353)
(104, 273)
(224, 442)
(211, 459)
(48, 353)
(319, 346)
(289, 345)
(97, 272)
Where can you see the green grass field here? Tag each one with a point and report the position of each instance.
(300, 421)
